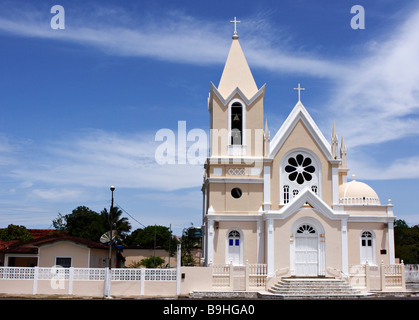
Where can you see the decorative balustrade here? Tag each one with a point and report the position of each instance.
(359, 201)
(381, 277)
(254, 276)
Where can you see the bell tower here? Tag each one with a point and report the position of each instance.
(234, 170)
(236, 108)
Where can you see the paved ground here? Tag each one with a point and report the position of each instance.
(410, 295)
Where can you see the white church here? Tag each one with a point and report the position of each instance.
(284, 201)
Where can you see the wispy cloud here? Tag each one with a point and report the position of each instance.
(376, 97)
(181, 38)
(379, 100)
(97, 159)
(367, 168)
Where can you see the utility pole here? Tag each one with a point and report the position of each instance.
(110, 232)
(154, 262)
(170, 238)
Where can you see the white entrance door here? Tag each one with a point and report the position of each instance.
(367, 248)
(306, 252)
(233, 250)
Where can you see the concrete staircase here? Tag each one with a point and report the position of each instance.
(312, 288)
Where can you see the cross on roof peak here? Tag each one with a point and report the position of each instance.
(235, 36)
(299, 91)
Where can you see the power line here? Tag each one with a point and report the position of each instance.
(130, 215)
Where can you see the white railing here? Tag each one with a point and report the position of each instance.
(254, 276)
(381, 277)
(221, 275)
(160, 274)
(17, 273)
(89, 274)
(412, 272)
(85, 274)
(393, 275)
(257, 275)
(359, 201)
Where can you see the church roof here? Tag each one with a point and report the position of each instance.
(237, 73)
(300, 113)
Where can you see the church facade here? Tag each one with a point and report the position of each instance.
(284, 201)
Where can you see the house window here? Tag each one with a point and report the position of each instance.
(286, 194)
(65, 262)
(236, 122)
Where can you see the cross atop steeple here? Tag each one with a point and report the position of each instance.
(299, 91)
(235, 36)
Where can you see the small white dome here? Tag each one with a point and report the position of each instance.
(357, 193)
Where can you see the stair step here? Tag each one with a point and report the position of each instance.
(313, 288)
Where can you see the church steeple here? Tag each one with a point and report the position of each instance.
(236, 109)
(343, 153)
(334, 142)
(236, 71)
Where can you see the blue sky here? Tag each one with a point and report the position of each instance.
(80, 107)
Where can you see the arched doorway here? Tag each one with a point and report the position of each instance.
(367, 248)
(234, 248)
(307, 249)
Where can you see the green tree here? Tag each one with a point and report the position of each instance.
(14, 232)
(120, 224)
(82, 222)
(406, 241)
(88, 224)
(145, 238)
(189, 241)
(153, 262)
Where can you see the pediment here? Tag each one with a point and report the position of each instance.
(299, 113)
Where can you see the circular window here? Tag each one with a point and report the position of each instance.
(300, 169)
(236, 193)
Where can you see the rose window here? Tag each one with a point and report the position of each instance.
(300, 169)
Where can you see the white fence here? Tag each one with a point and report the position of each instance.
(250, 277)
(378, 278)
(412, 272)
(86, 274)
(87, 281)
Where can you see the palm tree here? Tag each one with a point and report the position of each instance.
(120, 224)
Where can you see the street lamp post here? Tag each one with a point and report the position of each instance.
(110, 232)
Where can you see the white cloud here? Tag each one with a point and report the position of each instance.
(181, 38)
(367, 169)
(376, 98)
(379, 100)
(98, 159)
(58, 194)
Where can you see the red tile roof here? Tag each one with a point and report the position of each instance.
(36, 234)
(41, 237)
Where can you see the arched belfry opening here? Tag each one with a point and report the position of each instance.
(236, 123)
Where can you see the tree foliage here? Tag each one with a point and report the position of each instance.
(189, 241)
(14, 232)
(120, 224)
(88, 224)
(144, 238)
(406, 242)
